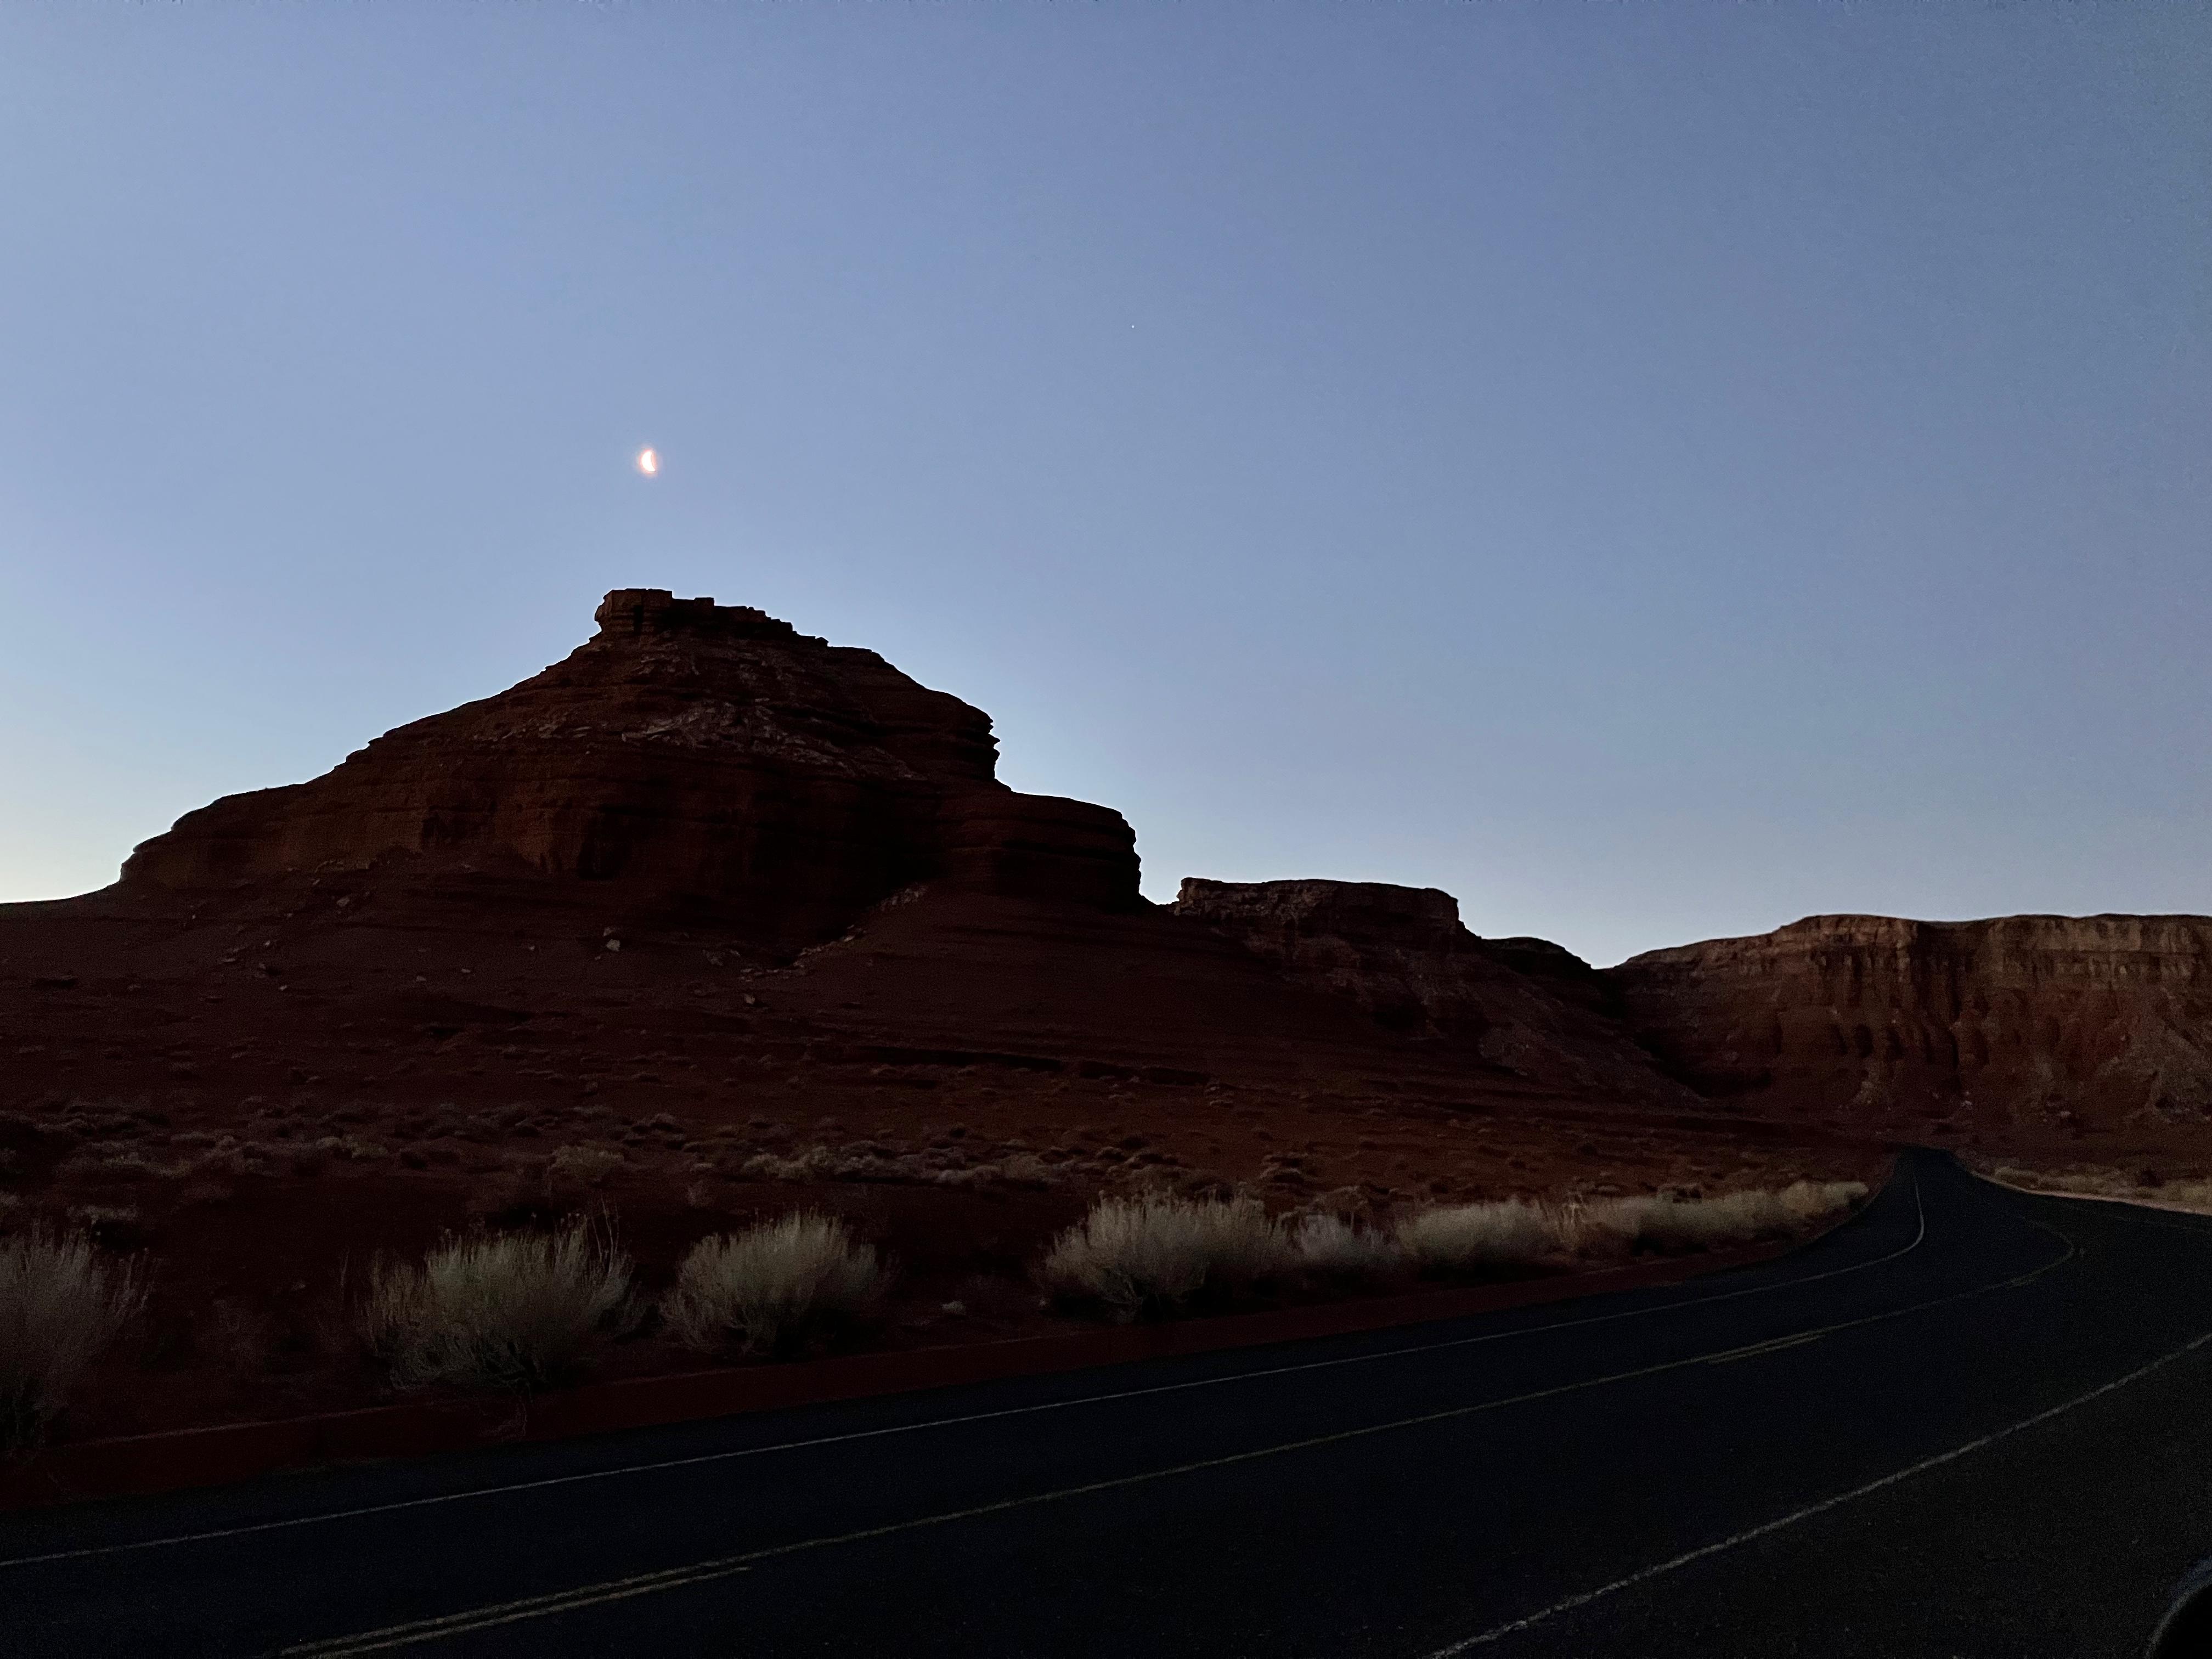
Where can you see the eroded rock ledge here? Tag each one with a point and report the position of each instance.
(1524, 1005)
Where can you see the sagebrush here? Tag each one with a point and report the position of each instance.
(511, 1310)
(61, 1304)
(1156, 1251)
(1461, 1238)
(2188, 1193)
(1331, 1247)
(1703, 1224)
(764, 1287)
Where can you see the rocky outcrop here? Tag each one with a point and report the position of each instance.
(2062, 1023)
(1400, 953)
(701, 755)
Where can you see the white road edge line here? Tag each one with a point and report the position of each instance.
(1774, 1346)
(328, 1515)
(558, 1602)
(532, 1607)
(1644, 1574)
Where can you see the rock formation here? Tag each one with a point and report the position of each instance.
(705, 756)
(699, 789)
(2059, 1024)
(1523, 1005)
(705, 775)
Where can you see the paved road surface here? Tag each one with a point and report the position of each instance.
(1970, 1423)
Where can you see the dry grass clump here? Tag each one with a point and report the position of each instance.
(1155, 1251)
(2103, 1182)
(1331, 1247)
(870, 1161)
(1517, 1235)
(60, 1306)
(1674, 1224)
(204, 1155)
(761, 1289)
(1484, 1238)
(2107, 1183)
(511, 1310)
(2188, 1194)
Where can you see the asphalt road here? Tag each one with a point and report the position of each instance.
(1969, 1422)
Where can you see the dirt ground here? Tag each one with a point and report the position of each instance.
(255, 1234)
(255, 1102)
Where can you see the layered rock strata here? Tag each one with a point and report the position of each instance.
(707, 755)
(2062, 1023)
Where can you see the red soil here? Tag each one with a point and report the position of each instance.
(749, 913)
(963, 1076)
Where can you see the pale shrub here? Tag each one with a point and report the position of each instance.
(1329, 1244)
(1157, 1251)
(1673, 1224)
(757, 1289)
(1813, 1202)
(1706, 1223)
(60, 1306)
(2188, 1194)
(866, 1161)
(511, 1310)
(1498, 1233)
(2103, 1183)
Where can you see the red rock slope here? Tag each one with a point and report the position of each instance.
(2022, 1027)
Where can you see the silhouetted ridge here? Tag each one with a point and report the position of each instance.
(704, 753)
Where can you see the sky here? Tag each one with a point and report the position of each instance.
(1654, 472)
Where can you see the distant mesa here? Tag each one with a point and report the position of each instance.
(2069, 1026)
(701, 754)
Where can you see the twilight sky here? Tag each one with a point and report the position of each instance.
(1654, 472)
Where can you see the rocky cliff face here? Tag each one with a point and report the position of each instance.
(2057, 1025)
(1523, 1005)
(710, 754)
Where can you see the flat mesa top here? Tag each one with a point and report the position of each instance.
(631, 611)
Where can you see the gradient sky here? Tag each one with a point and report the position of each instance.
(1653, 471)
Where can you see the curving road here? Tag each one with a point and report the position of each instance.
(1971, 1422)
